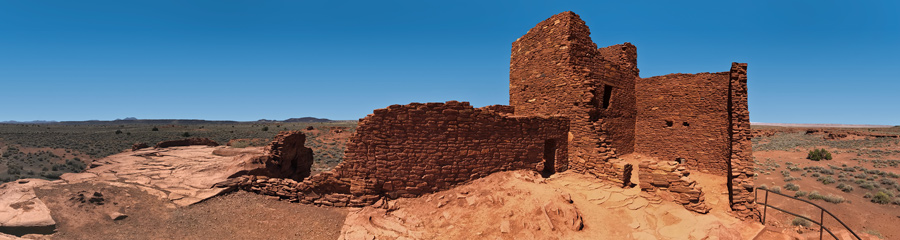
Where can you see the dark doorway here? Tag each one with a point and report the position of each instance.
(549, 158)
(607, 95)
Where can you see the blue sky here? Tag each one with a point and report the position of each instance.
(809, 61)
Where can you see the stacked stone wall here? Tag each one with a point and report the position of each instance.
(740, 174)
(557, 69)
(410, 150)
(685, 116)
(671, 177)
(287, 156)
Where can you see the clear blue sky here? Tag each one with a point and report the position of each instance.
(809, 61)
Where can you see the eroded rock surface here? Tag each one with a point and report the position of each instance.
(184, 175)
(523, 205)
(21, 212)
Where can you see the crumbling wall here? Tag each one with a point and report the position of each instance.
(556, 68)
(671, 177)
(409, 150)
(685, 116)
(287, 156)
(740, 173)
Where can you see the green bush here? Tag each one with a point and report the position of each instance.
(845, 187)
(799, 194)
(818, 154)
(869, 185)
(881, 198)
(118, 131)
(814, 196)
(827, 180)
(868, 195)
(186, 134)
(792, 187)
(266, 128)
(154, 129)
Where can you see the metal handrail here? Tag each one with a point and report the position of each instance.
(821, 213)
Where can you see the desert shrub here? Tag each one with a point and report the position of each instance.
(799, 194)
(154, 129)
(845, 187)
(800, 222)
(763, 187)
(118, 131)
(266, 128)
(889, 182)
(826, 180)
(869, 185)
(794, 168)
(833, 199)
(51, 175)
(818, 154)
(868, 195)
(881, 198)
(815, 175)
(896, 201)
(792, 187)
(775, 189)
(874, 233)
(814, 195)
(186, 134)
(861, 175)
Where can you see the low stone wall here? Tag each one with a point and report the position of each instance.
(671, 177)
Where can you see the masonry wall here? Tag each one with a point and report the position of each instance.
(557, 69)
(685, 116)
(409, 150)
(740, 174)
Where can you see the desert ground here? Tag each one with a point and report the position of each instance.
(171, 193)
(858, 185)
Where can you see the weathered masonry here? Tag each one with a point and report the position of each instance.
(699, 120)
(572, 105)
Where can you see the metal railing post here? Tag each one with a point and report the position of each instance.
(765, 207)
(821, 222)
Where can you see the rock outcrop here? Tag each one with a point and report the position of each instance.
(21, 212)
(137, 146)
(187, 142)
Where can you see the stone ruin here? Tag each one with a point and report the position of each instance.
(414, 149)
(573, 106)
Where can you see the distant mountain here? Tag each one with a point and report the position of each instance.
(307, 119)
(30, 122)
(149, 121)
(819, 125)
(133, 120)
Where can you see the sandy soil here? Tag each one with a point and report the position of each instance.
(239, 215)
(859, 213)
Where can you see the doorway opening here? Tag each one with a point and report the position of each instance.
(549, 158)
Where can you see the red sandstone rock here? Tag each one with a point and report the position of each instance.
(187, 142)
(287, 157)
(136, 146)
